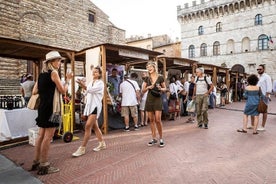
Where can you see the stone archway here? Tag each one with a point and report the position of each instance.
(238, 68)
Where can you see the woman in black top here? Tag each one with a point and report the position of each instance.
(47, 82)
(154, 85)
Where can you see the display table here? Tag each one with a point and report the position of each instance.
(15, 123)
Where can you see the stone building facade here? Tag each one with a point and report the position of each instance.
(161, 43)
(170, 50)
(239, 34)
(150, 42)
(68, 24)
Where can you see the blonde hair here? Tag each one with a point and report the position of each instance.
(48, 66)
(152, 63)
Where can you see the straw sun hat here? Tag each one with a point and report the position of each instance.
(53, 55)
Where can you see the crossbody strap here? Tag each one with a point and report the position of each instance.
(132, 85)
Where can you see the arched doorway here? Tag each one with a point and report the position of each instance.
(238, 68)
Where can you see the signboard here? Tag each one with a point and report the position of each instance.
(133, 54)
(180, 62)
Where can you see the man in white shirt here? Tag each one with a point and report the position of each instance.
(129, 91)
(265, 84)
(202, 93)
(27, 88)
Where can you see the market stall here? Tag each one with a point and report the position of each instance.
(115, 55)
(15, 123)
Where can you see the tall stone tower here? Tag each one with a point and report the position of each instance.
(239, 34)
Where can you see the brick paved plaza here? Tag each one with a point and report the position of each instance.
(191, 155)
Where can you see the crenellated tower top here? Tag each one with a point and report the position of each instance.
(212, 9)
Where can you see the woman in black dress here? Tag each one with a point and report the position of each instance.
(47, 82)
(155, 85)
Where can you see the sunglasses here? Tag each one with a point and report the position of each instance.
(259, 69)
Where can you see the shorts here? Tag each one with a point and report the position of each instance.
(133, 110)
(95, 111)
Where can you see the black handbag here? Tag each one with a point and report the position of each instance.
(173, 96)
(155, 92)
(55, 118)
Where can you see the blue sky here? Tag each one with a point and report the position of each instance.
(143, 17)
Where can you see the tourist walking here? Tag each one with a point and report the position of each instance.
(155, 85)
(174, 100)
(252, 95)
(223, 93)
(143, 113)
(265, 84)
(93, 108)
(202, 92)
(48, 86)
(129, 91)
(189, 98)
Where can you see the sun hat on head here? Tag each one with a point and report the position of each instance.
(53, 55)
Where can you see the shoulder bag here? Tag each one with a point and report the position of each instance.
(155, 91)
(262, 107)
(34, 101)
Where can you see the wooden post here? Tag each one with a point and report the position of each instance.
(73, 89)
(194, 69)
(105, 112)
(227, 82)
(215, 78)
(163, 61)
(236, 87)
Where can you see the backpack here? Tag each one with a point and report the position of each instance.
(208, 85)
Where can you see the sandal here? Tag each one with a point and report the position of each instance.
(255, 133)
(35, 166)
(45, 168)
(242, 131)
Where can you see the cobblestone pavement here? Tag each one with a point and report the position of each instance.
(191, 155)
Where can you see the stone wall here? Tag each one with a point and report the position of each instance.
(58, 23)
(62, 23)
(238, 37)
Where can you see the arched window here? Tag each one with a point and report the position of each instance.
(191, 51)
(216, 48)
(218, 27)
(263, 42)
(200, 30)
(203, 49)
(258, 19)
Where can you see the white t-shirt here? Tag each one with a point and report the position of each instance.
(186, 86)
(201, 86)
(265, 83)
(128, 93)
(28, 87)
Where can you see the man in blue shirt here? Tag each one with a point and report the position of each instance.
(115, 80)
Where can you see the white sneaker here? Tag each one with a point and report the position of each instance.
(100, 147)
(79, 152)
(249, 127)
(261, 129)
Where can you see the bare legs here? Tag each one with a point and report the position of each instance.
(155, 122)
(43, 144)
(91, 123)
(144, 117)
(255, 122)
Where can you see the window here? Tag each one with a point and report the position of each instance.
(200, 30)
(258, 19)
(263, 42)
(203, 49)
(191, 51)
(218, 27)
(91, 17)
(216, 48)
